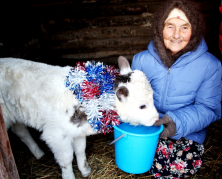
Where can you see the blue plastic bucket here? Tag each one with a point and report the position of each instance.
(134, 153)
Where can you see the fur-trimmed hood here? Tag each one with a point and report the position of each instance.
(194, 16)
(193, 55)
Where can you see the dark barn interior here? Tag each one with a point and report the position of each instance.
(64, 32)
(60, 32)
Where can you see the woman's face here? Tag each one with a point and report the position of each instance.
(176, 34)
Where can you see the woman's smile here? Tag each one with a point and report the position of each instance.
(176, 34)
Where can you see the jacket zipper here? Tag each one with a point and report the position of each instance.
(165, 88)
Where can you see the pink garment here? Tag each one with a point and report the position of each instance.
(220, 31)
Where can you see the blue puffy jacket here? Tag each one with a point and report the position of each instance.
(189, 92)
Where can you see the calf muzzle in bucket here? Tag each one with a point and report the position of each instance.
(136, 147)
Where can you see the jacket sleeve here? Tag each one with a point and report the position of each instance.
(136, 65)
(205, 110)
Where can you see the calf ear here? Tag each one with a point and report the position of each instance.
(122, 93)
(124, 65)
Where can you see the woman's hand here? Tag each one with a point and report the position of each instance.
(169, 126)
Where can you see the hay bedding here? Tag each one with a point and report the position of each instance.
(101, 158)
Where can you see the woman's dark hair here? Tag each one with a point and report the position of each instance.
(191, 10)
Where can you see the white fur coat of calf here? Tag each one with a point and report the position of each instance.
(33, 94)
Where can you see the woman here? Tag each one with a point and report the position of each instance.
(185, 78)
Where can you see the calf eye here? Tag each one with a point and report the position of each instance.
(143, 107)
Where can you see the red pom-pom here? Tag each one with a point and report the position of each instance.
(110, 117)
(112, 71)
(90, 89)
(81, 66)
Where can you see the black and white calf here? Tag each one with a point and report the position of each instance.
(33, 94)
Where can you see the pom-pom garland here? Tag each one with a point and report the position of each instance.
(93, 84)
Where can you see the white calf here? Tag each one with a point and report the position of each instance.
(33, 94)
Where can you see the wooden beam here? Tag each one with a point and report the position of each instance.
(8, 168)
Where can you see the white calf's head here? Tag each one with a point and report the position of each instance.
(134, 96)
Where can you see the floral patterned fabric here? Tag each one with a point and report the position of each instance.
(175, 159)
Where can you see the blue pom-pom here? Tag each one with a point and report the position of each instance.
(95, 74)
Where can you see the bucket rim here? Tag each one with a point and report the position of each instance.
(141, 135)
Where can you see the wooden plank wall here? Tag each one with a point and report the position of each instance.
(102, 30)
(97, 30)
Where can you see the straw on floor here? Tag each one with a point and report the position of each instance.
(101, 158)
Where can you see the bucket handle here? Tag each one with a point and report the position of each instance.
(117, 139)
